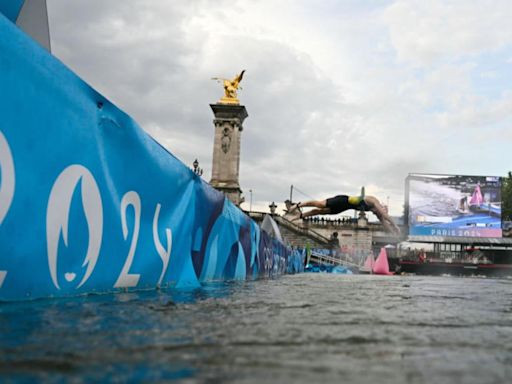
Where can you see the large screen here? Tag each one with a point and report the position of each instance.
(446, 205)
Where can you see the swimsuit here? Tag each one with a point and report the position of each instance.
(342, 203)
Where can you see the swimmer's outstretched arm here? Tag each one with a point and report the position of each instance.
(382, 215)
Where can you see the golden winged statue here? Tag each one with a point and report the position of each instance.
(230, 88)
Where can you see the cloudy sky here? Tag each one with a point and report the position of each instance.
(340, 94)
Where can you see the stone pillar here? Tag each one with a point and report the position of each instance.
(363, 239)
(362, 220)
(226, 149)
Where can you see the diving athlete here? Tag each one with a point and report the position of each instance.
(340, 203)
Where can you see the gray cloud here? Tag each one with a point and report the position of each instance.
(428, 31)
(331, 107)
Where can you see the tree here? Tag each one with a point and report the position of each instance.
(506, 198)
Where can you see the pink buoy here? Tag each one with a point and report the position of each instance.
(370, 262)
(476, 198)
(381, 266)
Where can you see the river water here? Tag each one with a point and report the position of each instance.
(307, 328)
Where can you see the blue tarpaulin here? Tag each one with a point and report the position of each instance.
(11, 8)
(89, 202)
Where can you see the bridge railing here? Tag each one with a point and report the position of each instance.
(322, 258)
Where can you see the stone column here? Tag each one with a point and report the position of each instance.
(363, 237)
(226, 149)
(362, 220)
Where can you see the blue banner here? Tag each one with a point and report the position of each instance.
(11, 8)
(91, 203)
